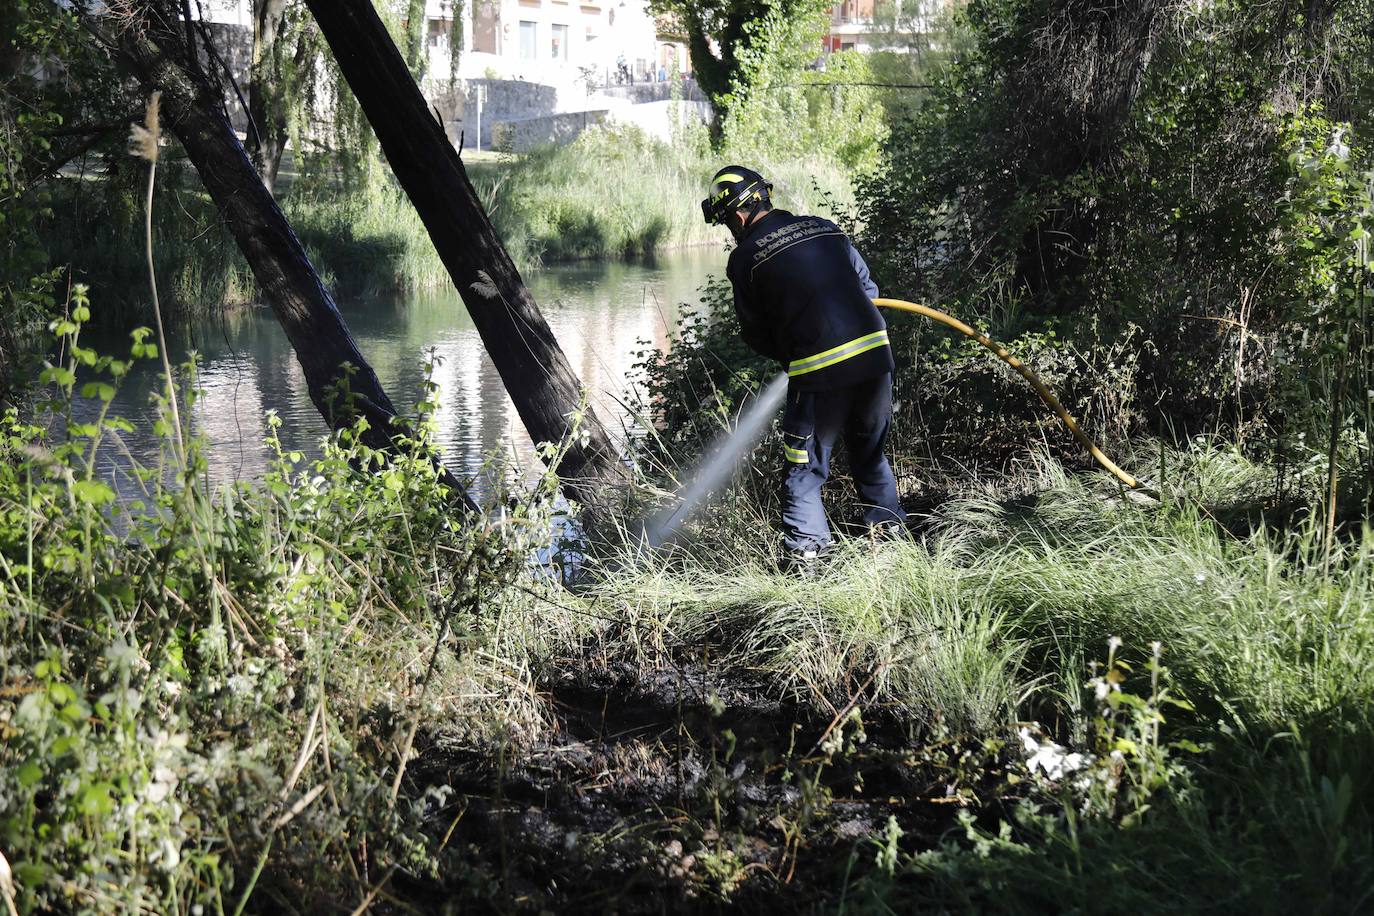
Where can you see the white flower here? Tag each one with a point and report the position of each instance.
(1200, 578)
(167, 854)
(1054, 760)
(164, 780)
(121, 655)
(1114, 643)
(1338, 147)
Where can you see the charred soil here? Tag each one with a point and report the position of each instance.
(673, 789)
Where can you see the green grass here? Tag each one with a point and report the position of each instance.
(995, 619)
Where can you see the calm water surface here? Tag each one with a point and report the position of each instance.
(602, 314)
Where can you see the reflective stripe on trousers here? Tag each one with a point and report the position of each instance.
(813, 422)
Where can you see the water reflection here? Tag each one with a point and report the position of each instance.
(599, 313)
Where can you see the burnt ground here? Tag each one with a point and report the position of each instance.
(669, 790)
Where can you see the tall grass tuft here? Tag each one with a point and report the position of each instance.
(618, 192)
(612, 193)
(996, 617)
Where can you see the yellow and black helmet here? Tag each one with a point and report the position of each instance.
(734, 187)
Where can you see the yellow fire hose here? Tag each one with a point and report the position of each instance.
(1025, 372)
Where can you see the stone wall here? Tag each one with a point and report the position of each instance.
(662, 119)
(506, 101)
(525, 134)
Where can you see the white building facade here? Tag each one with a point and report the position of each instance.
(546, 41)
(555, 42)
(527, 71)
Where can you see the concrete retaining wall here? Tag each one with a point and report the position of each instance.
(659, 119)
(527, 133)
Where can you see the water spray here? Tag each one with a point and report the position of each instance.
(727, 449)
(721, 458)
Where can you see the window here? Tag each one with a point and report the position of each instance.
(560, 42)
(486, 26)
(439, 30)
(529, 36)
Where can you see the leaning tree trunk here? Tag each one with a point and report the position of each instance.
(341, 383)
(533, 368)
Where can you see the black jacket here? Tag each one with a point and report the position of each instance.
(803, 296)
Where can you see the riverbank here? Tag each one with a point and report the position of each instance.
(611, 194)
(319, 692)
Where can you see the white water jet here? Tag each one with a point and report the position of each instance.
(715, 469)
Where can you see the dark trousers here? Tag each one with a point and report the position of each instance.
(811, 425)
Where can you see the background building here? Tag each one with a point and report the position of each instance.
(527, 71)
(887, 25)
(597, 42)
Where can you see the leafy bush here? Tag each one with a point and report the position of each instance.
(1164, 198)
(209, 699)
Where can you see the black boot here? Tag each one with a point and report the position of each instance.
(802, 562)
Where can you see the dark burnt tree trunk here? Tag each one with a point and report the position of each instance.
(1080, 72)
(341, 383)
(533, 367)
(267, 80)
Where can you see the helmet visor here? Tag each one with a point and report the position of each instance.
(715, 207)
(708, 212)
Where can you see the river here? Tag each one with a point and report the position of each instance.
(603, 313)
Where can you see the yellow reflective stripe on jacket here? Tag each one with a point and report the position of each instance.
(796, 455)
(838, 354)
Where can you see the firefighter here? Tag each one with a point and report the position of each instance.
(804, 297)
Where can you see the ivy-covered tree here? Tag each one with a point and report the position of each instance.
(57, 103)
(723, 35)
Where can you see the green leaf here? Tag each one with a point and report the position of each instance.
(92, 492)
(61, 694)
(29, 774)
(31, 874)
(95, 800)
